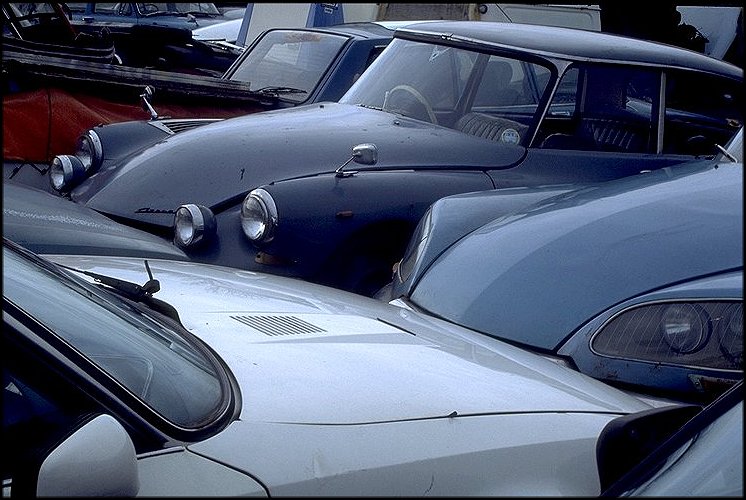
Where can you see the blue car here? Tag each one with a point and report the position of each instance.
(637, 282)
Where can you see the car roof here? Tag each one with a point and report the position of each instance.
(567, 43)
(358, 29)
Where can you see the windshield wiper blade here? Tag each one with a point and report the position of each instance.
(280, 90)
(162, 13)
(368, 106)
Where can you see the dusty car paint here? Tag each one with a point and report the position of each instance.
(344, 223)
(328, 385)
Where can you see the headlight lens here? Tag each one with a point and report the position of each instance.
(731, 337)
(193, 225)
(90, 151)
(65, 172)
(684, 327)
(706, 334)
(259, 216)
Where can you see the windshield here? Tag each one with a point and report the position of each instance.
(168, 372)
(29, 14)
(707, 465)
(293, 61)
(454, 87)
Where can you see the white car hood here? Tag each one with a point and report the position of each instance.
(309, 354)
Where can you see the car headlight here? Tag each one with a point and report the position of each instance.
(65, 172)
(193, 225)
(259, 216)
(705, 334)
(89, 151)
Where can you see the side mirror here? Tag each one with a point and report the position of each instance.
(365, 154)
(627, 440)
(97, 460)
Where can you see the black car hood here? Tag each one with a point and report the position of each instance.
(224, 160)
(47, 224)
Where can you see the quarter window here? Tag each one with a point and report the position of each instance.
(702, 110)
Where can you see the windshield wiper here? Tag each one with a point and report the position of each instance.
(133, 291)
(368, 106)
(280, 90)
(164, 13)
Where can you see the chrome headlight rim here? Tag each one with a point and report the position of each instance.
(259, 216)
(194, 225)
(90, 151)
(65, 172)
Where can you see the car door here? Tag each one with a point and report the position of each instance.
(52, 419)
(607, 121)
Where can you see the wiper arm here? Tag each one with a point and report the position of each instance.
(280, 90)
(131, 290)
(197, 13)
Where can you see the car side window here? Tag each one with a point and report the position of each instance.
(124, 9)
(39, 410)
(505, 104)
(508, 82)
(602, 108)
(108, 8)
(701, 110)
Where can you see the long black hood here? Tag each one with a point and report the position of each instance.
(224, 160)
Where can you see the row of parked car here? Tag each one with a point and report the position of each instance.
(543, 229)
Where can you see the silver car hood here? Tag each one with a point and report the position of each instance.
(304, 353)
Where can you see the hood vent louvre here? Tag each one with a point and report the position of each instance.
(175, 125)
(275, 326)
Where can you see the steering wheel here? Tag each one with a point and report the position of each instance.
(419, 97)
